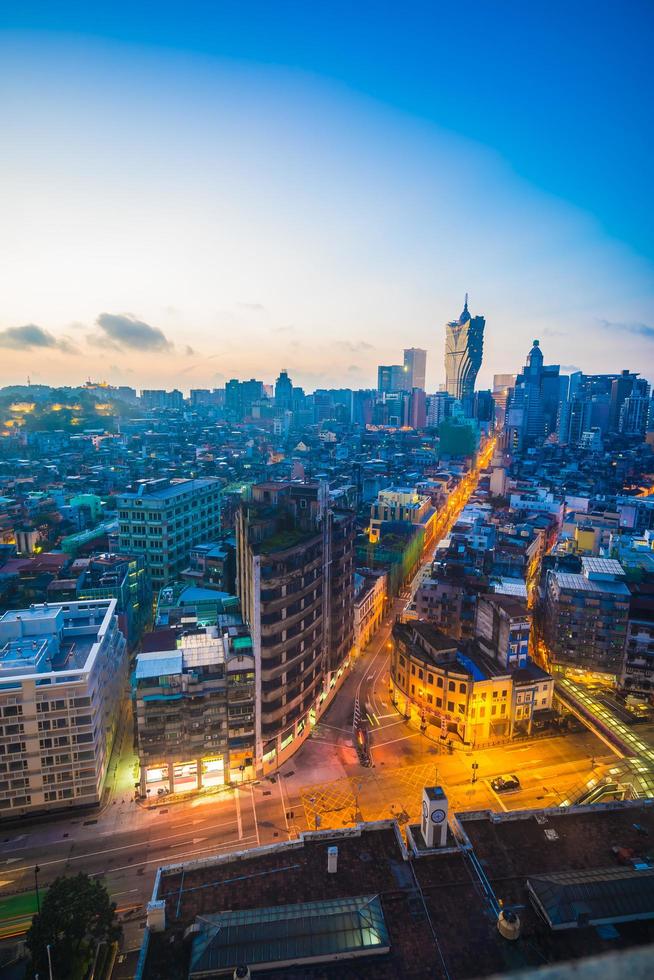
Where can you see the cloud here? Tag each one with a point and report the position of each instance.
(255, 307)
(640, 329)
(189, 352)
(357, 347)
(354, 369)
(31, 337)
(570, 368)
(122, 330)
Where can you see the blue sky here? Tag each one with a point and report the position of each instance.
(315, 185)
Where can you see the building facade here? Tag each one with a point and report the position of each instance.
(63, 674)
(464, 348)
(370, 598)
(296, 585)
(195, 710)
(585, 617)
(163, 519)
(415, 364)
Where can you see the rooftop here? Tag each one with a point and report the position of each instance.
(439, 909)
(164, 490)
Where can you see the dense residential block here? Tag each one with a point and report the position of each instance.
(163, 519)
(63, 676)
(195, 708)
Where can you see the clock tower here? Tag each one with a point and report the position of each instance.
(434, 816)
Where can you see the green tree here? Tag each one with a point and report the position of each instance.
(76, 914)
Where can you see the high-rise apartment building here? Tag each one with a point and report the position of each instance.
(296, 585)
(464, 348)
(163, 519)
(160, 399)
(63, 672)
(415, 365)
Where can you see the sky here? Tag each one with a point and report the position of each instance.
(200, 191)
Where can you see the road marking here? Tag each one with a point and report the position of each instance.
(391, 741)
(499, 800)
(281, 796)
(196, 840)
(6, 881)
(129, 891)
(238, 813)
(108, 850)
(254, 813)
(161, 860)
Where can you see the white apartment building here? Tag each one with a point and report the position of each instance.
(63, 671)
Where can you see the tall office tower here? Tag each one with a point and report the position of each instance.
(296, 585)
(503, 384)
(533, 405)
(464, 348)
(634, 410)
(393, 377)
(440, 407)
(415, 365)
(283, 391)
(586, 408)
(418, 409)
(163, 519)
(620, 389)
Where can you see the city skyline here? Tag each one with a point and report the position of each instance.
(231, 204)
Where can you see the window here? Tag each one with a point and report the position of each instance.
(439, 682)
(430, 678)
(439, 702)
(451, 686)
(450, 706)
(420, 675)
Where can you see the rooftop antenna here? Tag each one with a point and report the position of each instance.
(465, 305)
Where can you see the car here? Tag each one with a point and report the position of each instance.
(505, 784)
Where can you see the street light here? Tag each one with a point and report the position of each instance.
(36, 885)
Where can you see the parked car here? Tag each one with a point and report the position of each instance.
(505, 784)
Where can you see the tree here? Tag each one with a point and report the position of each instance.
(76, 914)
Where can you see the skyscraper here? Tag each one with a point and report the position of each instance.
(415, 365)
(533, 404)
(464, 348)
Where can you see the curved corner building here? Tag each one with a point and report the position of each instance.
(464, 348)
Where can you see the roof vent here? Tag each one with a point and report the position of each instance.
(242, 972)
(508, 925)
(332, 860)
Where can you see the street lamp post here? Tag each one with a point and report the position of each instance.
(475, 767)
(36, 887)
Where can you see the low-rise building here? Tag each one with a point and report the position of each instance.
(63, 673)
(407, 505)
(465, 694)
(370, 597)
(195, 709)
